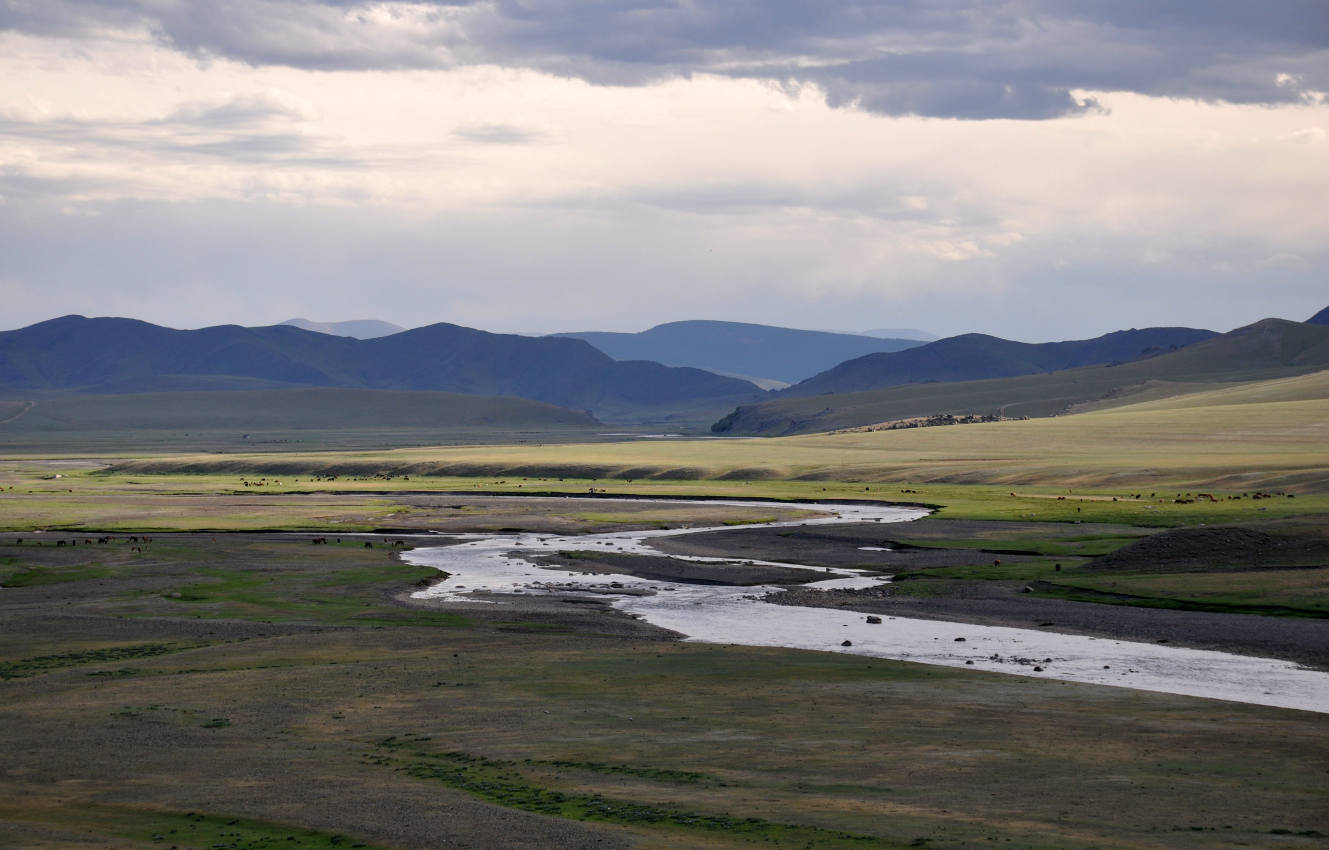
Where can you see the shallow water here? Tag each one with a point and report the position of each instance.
(494, 563)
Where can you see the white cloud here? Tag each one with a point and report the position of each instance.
(227, 110)
(1305, 136)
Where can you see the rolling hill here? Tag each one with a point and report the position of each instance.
(1320, 318)
(761, 353)
(1272, 348)
(109, 355)
(977, 356)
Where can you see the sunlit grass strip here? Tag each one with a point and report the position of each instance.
(1233, 447)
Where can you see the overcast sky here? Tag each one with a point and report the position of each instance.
(1036, 169)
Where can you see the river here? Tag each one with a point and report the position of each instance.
(498, 564)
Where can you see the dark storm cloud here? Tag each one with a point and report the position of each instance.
(953, 58)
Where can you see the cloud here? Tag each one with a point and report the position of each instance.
(1023, 59)
(499, 134)
(260, 143)
(120, 140)
(1305, 136)
(242, 110)
(194, 264)
(192, 163)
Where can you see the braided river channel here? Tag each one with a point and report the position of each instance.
(496, 564)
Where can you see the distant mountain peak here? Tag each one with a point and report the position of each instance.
(769, 354)
(356, 328)
(1320, 318)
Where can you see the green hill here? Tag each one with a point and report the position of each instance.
(1272, 348)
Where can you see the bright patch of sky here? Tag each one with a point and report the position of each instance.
(1033, 170)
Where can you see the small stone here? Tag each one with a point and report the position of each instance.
(847, 643)
(874, 620)
(959, 640)
(1038, 669)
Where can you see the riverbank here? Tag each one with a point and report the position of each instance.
(511, 566)
(960, 547)
(1305, 642)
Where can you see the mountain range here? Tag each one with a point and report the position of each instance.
(975, 356)
(768, 356)
(112, 355)
(1271, 348)
(967, 374)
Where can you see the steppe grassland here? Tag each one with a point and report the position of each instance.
(806, 743)
(1085, 467)
(675, 745)
(1186, 443)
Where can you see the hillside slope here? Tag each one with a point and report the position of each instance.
(1320, 318)
(1219, 443)
(784, 355)
(77, 354)
(977, 356)
(1272, 348)
(274, 419)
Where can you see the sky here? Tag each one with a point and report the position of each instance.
(1034, 169)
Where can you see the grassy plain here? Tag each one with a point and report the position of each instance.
(285, 698)
(221, 687)
(1219, 440)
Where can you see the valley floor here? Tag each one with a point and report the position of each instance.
(259, 690)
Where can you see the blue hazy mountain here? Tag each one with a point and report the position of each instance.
(971, 357)
(758, 352)
(113, 355)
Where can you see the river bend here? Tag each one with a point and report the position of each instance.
(498, 564)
